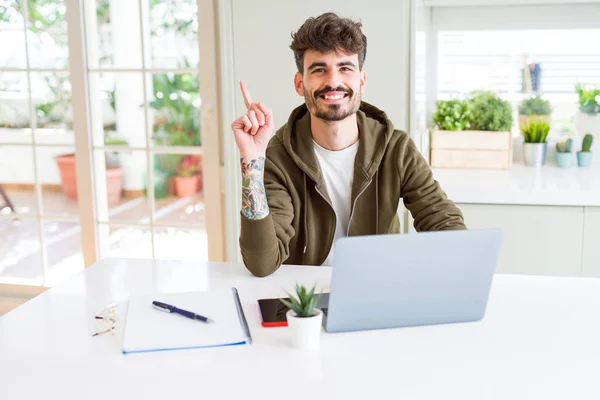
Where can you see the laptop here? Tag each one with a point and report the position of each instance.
(401, 280)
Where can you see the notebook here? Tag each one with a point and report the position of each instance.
(148, 329)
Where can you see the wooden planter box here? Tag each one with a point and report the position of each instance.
(471, 149)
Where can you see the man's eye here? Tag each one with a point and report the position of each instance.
(346, 69)
(319, 70)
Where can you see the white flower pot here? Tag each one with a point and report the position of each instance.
(305, 332)
(587, 123)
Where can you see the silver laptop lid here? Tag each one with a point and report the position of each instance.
(387, 281)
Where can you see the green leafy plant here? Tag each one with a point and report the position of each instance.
(586, 145)
(490, 112)
(536, 131)
(305, 303)
(589, 99)
(452, 115)
(564, 147)
(535, 106)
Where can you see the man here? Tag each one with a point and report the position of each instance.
(336, 168)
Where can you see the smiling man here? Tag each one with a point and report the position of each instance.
(337, 168)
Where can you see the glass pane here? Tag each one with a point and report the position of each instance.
(57, 173)
(47, 34)
(63, 247)
(14, 108)
(116, 35)
(177, 189)
(175, 110)
(174, 33)
(180, 244)
(118, 98)
(20, 259)
(17, 183)
(128, 242)
(124, 184)
(51, 93)
(12, 35)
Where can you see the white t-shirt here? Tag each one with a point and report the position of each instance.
(337, 168)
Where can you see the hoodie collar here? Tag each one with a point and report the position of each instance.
(375, 130)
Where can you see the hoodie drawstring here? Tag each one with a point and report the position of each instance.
(305, 217)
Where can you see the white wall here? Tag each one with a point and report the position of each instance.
(255, 37)
(262, 36)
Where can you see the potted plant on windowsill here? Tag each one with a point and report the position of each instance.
(114, 171)
(564, 157)
(474, 133)
(584, 157)
(534, 108)
(186, 181)
(535, 134)
(587, 119)
(303, 318)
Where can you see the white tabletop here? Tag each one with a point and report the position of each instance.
(548, 185)
(540, 339)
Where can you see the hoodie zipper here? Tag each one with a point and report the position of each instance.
(354, 205)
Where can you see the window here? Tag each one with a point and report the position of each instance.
(494, 60)
(145, 128)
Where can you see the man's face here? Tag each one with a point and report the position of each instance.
(332, 84)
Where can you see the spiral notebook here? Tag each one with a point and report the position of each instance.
(148, 329)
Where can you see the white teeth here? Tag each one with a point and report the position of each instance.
(336, 97)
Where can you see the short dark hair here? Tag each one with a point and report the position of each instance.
(327, 33)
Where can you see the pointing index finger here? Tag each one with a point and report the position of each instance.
(246, 94)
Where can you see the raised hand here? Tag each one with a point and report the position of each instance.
(252, 133)
(252, 130)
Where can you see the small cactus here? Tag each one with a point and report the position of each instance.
(564, 147)
(569, 145)
(588, 139)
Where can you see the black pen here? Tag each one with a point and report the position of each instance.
(172, 309)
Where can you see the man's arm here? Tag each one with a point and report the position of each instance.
(422, 195)
(265, 222)
(264, 242)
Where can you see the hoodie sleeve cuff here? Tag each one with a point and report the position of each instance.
(257, 235)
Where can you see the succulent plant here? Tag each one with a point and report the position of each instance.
(304, 305)
(588, 139)
(564, 147)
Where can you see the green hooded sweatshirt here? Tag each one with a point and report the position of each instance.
(300, 227)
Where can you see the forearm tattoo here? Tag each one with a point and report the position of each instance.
(254, 197)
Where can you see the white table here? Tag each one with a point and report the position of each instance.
(540, 339)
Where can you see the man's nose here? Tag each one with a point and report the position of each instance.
(334, 78)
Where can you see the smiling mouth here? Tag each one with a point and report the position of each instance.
(333, 96)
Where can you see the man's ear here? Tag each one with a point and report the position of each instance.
(363, 80)
(298, 84)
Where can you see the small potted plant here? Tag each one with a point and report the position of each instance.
(303, 318)
(587, 118)
(535, 134)
(584, 157)
(186, 181)
(564, 157)
(534, 107)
